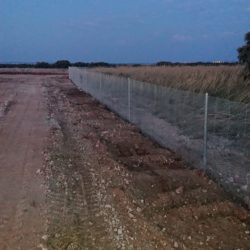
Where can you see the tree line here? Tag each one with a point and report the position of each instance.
(65, 64)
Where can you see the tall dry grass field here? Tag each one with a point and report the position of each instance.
(222, 81)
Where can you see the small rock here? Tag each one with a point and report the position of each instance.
(176, 245)
(179, 190)
(57, 235)
(119, 231)
(38, 171)
(138, 209)
(45, 237)
(208, 238)
(130, 215)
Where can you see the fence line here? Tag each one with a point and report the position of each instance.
(211, 133)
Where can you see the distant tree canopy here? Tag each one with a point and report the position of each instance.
(244, 53)
(62, 64)
(163, 63)
(58, 64)
(42, 65)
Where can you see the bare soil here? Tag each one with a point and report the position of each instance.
(73, 175)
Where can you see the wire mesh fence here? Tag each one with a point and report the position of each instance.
(215, 137)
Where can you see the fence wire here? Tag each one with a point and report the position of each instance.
(175, 119)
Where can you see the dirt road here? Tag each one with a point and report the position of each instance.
(75, 176)
(23, 130)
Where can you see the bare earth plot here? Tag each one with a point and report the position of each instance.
(75, 176)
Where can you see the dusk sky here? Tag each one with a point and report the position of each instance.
(122, 31)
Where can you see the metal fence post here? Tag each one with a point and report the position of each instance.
(129, 99)
(245, 129)
(100, 86)
(205, 132)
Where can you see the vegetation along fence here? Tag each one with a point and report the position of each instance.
(208, 132)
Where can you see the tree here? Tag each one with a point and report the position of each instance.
(244, 53)
(42, 65)
(62, 64)
(164, 63)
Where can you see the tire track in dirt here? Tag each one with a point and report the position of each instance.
(75, 216)
(13, 139)
(22, 131)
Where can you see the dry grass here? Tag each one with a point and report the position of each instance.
(223, 81)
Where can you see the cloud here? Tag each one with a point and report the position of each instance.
(182, 38)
